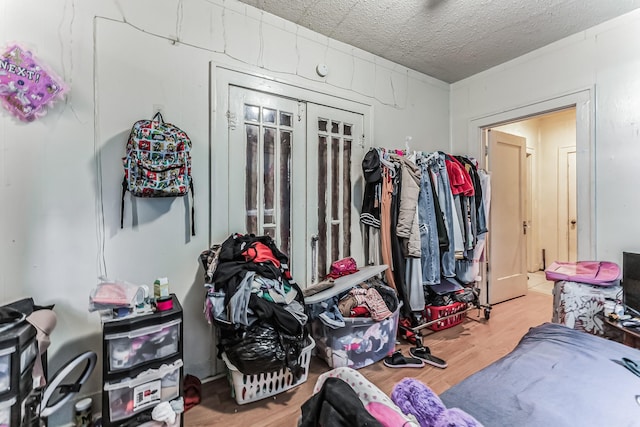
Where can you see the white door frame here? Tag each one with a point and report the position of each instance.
(221, 77)
(564, 229)
(585, 154)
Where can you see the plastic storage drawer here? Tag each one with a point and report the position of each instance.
(27, 357)
(9, 412)
(133, 348)
(18, 351)
(361, 342)
(5, 369)
(130, 396)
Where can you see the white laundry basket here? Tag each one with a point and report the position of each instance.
(249, 388)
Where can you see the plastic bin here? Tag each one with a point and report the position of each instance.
(133, 348)
(249, 388)
(8, 410)
(132, 395)
(5, 369)
(28, 356)
(361, 342)
(434, 312)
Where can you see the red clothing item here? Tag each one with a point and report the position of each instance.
(259, 252)
(360, 311)
(459, 179)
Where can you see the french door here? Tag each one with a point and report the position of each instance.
(295, 175)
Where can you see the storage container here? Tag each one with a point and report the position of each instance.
(18, 351)
(581, 305)
(133, 348)
(28, 356)
(361, 342)
(5, 368)
(9, 414)
(457, 312)
(249, 388)
(132, 395)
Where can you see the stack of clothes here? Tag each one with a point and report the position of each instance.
(258, 307)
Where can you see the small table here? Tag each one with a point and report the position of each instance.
(630, 337)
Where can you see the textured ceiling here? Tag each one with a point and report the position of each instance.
(447, 39)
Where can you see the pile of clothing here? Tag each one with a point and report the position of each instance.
(258, 307)
(343, 397)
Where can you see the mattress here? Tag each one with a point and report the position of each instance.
(556, 376)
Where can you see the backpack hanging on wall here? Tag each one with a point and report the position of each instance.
(157, 162)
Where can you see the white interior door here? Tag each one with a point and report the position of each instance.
(334, 187)
(507, 244)
(567, 216)
(267, 170)
(295, 174)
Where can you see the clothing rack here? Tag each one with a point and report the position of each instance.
(469, 247)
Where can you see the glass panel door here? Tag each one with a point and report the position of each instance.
(295, 174)
(334, 186)
(261, 156)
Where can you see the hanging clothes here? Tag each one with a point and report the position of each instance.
(385, 225)
(416, 191)
(408, 229)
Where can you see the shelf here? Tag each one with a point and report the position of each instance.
(345, 283)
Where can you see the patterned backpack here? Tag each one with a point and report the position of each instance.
(157, 162)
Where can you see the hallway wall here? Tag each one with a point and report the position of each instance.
(604, 60)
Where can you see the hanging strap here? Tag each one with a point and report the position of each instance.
(193, 209)
(159, 118)
(124, 190)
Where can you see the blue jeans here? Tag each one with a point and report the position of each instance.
(439, 169)
(429, 247)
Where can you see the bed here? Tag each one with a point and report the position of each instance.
(556, 376)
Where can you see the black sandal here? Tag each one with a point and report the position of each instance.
(423, 353)
(397, 360)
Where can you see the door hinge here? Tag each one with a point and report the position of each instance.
(231, 120)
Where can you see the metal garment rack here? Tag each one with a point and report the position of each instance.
(473, 305)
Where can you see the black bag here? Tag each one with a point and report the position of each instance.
(256, 350)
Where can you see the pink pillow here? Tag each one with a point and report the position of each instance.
(386, 415)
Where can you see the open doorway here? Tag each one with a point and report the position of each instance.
(550, 222)
(583, 103)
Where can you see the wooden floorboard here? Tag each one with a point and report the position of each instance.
(467, 348)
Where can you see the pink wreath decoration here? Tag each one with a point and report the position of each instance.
(26, 86)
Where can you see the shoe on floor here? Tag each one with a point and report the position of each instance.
(424, 354)
(397, 360)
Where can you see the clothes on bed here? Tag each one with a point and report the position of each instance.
(336, 404)
(417, 399)
(556, 376)
(374, 400)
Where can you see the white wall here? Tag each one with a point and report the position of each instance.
(605, 59)
(61, 174)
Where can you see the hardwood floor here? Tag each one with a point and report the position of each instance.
(467, 348)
